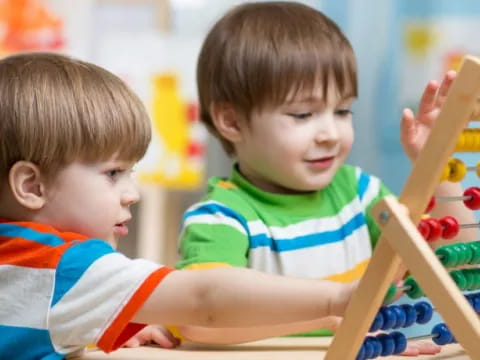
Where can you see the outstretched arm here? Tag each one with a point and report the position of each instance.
(237, 297)
(415, 130)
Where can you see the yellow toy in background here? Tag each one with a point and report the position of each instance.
(175, 159)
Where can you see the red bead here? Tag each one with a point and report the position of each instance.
(449, 227)
(431, 205)
(474, 202)
(435, 229)
(424, 229)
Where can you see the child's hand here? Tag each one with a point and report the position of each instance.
(416, 129)
(415, 348)
(153, 335)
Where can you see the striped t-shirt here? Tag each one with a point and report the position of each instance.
(61, 291)
(327, 234)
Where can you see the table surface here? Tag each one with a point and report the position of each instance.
(308, 348)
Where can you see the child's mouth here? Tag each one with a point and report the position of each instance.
(121, 229)
(322, 163)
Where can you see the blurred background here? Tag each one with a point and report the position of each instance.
(153, 46)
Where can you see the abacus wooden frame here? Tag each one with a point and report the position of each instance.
(401, 241)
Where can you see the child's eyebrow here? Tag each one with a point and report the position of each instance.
(320, 100)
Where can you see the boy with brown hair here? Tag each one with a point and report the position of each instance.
(276, 82)
(71, 132)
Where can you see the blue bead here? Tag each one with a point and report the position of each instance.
(411, 315)
(377, 322)
(388, 344)
(361, 354)
(476, 303)
(400, 342)
(377, 346)
(470, 299)
(441, 334)
(424, 312)
(389, 318)
(368, 348)
(400, 316)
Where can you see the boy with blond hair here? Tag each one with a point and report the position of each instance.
(276, 82)
(71, 132)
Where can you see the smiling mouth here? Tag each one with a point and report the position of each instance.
(321, 163)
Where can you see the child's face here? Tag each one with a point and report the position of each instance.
(91, 199)
(297, 146)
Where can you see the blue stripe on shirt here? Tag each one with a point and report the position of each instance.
(215, 208)
(363, 182)
(74, 262)
(24, 343)
(12, 231)
(310, 240)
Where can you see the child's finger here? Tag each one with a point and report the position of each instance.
(164, 339)
(445, 86)
(407, 125)
(411, 350)
(428, 100)
(132, 343)
(415, 348)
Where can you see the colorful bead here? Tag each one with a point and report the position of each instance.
(424, 312)
(441, 334)
(457, 170)
(474, 202)
(450, 227)
(435, 229)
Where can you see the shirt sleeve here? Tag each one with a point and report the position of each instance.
(97, 292)
(213, 235)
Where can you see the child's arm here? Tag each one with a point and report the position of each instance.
(235, 297)
(226, 336)
(414, 133)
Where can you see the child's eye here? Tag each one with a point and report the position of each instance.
(114, 173)
(343, 112)
(300, 116)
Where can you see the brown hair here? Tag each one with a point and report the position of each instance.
(55, 109)
(258, 53)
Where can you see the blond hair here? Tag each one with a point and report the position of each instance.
(258, 53)
(55, 109)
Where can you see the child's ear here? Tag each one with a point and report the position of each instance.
(26, 184)
(228, 122)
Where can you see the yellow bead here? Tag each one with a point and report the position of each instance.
(445, 172)
(457, 170)
(460, 142)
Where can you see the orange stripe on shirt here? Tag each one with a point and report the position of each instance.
(350, 275)
(46, 229)
(121, 330)
(23, 252)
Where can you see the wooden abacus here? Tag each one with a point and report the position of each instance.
(401, 244)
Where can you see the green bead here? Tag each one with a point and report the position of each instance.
(475, 247)
(459, 279)
(468, 253)
(414, 292)
(476, 273)
(462, 253)
(470, 278)
(447, 256)
(392, 290)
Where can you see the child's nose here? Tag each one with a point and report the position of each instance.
(327, 131)
(130, 196)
